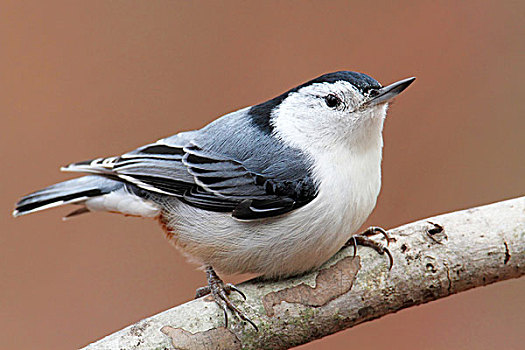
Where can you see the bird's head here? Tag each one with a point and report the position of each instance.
(336, 109)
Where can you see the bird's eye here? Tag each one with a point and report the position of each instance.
(332, 101)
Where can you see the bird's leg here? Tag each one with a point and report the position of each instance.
(364, 240)
(220, 293)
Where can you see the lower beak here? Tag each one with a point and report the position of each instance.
(387, 93)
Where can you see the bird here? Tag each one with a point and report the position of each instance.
(274, 189)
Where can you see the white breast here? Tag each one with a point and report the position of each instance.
(292, 243)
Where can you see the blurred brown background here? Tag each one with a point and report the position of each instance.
(86, 79)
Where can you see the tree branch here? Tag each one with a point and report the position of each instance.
(433, 258)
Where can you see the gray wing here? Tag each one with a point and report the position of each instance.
(229, 166)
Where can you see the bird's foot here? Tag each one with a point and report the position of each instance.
(364, 240)
(221, 294)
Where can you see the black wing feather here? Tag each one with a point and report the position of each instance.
(205, 180)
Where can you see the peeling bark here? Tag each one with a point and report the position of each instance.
(330, 283)
(219, 338)
(433, 258)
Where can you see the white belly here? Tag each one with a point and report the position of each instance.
(292, 243)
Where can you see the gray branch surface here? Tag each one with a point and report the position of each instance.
(433, 258)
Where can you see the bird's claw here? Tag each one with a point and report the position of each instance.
(364, 240)
(228, 288)
(220, 293)
(374, 230)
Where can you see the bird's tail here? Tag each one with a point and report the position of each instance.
(72, 191)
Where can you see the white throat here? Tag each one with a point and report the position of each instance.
(346, 171)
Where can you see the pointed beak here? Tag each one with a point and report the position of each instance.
(387, 93)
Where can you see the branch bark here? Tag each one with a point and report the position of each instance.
(433, 258)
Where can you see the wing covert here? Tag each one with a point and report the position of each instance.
(204, 179)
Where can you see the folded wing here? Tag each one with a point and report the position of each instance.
(204, 179)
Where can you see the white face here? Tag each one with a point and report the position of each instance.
(328, 116)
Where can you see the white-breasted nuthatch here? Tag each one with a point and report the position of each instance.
(274, 189)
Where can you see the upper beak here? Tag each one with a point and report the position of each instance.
(388, 92)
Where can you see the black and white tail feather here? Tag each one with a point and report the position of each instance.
(75, 191)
